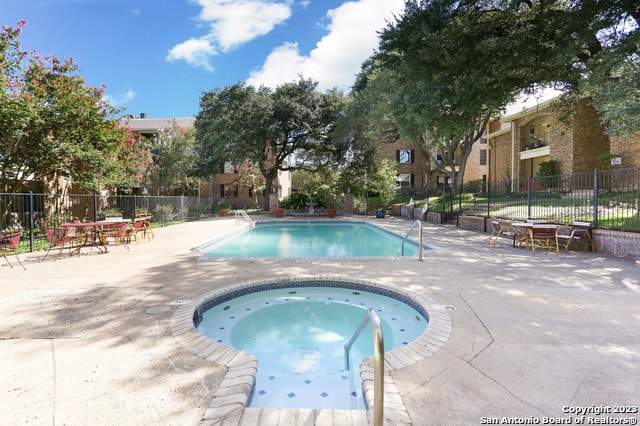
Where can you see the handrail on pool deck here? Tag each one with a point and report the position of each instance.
(416, 223)
(241, 214)
(378, 361)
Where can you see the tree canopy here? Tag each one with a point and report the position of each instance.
(281, 129)
(460, 60)
(455, 64)
(173, 160)
(52, 124)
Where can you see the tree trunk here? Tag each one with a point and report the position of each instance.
(268, 184)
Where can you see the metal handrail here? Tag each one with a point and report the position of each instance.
(378, 362)
(416, 223)
(241, 214)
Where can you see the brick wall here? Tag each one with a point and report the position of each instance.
(419, 166)
(473, 169)
(628, 149)
(588, 137)
(500, 158)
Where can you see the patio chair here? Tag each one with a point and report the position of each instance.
(544, 236)
(147, 224)
(138, 228)
(118, 232)
(63, 237)
(9, 243)
(579, 234)
(499, 230)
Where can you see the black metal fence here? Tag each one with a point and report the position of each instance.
(30, 211)
(606, 198)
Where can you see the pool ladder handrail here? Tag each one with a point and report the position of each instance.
(241, 214)
(378, 362)
(419, 224)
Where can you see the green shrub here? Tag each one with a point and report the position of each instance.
(164, 213)
(223, 204)
(295, 201)
(474, 186)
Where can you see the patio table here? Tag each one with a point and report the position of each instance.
(93, 232)
(527, 236)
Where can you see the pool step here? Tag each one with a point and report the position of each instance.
(236, 230)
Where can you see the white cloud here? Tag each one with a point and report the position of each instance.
(195, 52)
(236, 22)
(231, 23)
(120, 99)
(336, 59)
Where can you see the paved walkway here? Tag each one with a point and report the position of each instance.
(88, 341)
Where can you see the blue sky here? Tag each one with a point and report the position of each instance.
(158, 56)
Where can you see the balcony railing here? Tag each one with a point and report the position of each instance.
(535, 141)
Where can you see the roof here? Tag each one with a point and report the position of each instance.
(157, 124)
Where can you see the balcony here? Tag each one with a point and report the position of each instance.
(535, 141)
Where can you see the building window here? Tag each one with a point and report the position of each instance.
(405, 155)
(405, 180)
(483, 157)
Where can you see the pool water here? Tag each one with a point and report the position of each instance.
(298, 336)
(312, 239)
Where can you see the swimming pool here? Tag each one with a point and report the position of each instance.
(295, 239)
(297, 334)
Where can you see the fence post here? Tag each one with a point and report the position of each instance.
(488, 204)
(529, 197)
(162, 210)
(31, 222)
(596, 191)
(95, 207)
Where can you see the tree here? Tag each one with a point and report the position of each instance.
(460, 62)
(281, 129)
(366, 121)
(174, 159)
(52, 124)
(453, 73)
(384, 182)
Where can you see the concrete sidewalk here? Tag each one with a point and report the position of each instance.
(87, 340)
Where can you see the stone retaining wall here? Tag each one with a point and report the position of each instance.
(615, 243)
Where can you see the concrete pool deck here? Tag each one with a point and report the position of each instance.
(534, 337)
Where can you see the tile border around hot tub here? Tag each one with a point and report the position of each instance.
(233, 393)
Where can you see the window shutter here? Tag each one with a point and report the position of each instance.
(413, 160)
(397, 155)
(412, 176)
